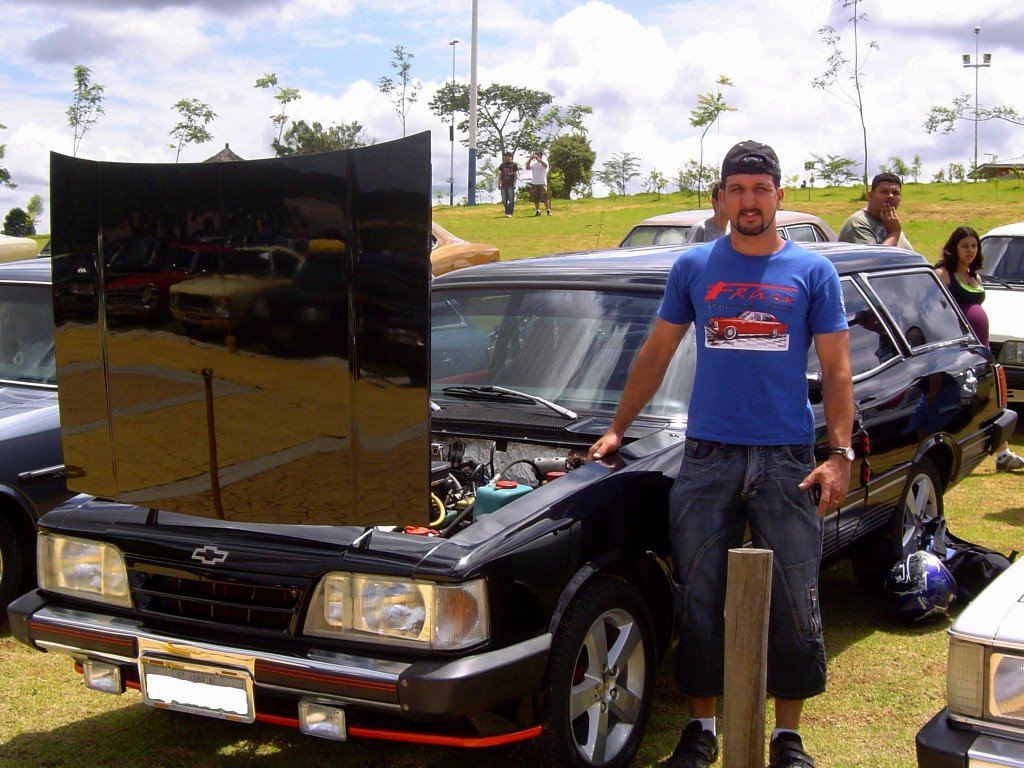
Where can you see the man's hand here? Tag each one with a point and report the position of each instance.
(608, 444)
(891, 220)
(833, 477)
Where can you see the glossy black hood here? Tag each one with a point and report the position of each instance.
(247, 340)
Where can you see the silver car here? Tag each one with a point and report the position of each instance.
(674, 228)
(983, 721)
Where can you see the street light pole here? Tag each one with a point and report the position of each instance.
(451, 133)
(978, 64)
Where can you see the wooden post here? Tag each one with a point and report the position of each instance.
(748, 597)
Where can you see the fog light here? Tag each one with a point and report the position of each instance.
(102, 677)
(322, 720)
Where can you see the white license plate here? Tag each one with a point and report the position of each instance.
(199, 689)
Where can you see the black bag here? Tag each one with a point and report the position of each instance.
(973, 566)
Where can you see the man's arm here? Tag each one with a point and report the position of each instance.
(893, 226)
(644, 379)
(833, 475)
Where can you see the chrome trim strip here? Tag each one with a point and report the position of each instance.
(987, 752)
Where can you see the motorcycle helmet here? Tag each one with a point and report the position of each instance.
(919, 586)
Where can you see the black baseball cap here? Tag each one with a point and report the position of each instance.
(751, 157)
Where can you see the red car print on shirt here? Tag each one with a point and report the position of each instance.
(746, 324)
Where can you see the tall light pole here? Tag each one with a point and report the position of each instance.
(978, 64)
(451, 133)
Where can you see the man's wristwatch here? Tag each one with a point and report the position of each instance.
(845, 451)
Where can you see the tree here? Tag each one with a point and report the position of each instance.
(86, 105)
(17, 224)
(710, 106)
(509, 118)
(191, 129)
(939, 177)
(834, 170)
(283, 96)
(655, 182)
(574, 158)
(946, 118)
(694, 175)
(916, 167)
(404, 92)
(34, 210)
(5, 175)
(618, 171)
(304, 139)
(487, 179)
(838, 63)
(899, 167)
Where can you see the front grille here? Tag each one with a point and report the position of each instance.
(234, 599)
(188, 301)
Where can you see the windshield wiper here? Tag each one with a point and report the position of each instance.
(508, 395)
(994, 279)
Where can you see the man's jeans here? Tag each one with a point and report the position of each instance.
(720, 490)
(508, 199)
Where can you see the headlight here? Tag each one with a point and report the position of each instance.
(400, 611)
(1007, 698)
(87, 569)
(1012, 353)
(965, 678)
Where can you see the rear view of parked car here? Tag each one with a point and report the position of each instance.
(674, 228)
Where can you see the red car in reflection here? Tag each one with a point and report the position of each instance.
(747, 324)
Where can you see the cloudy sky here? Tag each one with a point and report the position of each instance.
(639, 63)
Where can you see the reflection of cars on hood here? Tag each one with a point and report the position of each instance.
(1003, 275)
(448, 252)
(982, 723)
(355, 548)
(31, 467)
(746, 324)
(674, 228)
(220, 300)
(17, 248)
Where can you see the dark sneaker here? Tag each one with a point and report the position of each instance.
(537, 213)
(787, 751)
(697, 748)
(1009, 461)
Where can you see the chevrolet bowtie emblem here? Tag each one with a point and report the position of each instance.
(209, 555)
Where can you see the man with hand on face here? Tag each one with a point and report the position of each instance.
(749, 460)
(878, 223)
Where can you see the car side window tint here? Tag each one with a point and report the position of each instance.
(921, 309)
(801, 233)
(871, 345)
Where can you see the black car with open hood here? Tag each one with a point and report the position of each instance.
(355, 501)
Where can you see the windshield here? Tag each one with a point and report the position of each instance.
(573, 347)
(1004, 258)
(26, 334)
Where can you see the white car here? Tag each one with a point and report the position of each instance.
(983, 721)
(17, 248)
(1003, 274)
(674, 228)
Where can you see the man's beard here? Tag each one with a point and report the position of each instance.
(752, 231)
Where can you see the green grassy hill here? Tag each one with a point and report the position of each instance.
(929, 213)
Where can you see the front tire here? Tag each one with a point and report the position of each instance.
(729, 332)
(600, 679)
(920, 507)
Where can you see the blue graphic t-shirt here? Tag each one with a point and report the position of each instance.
(755, 318)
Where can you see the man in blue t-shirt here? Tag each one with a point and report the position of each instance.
(756, 302)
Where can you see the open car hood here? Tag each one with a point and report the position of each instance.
(318, 415)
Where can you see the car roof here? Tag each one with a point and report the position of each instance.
(649, 266)
(783, 218)
(1007, 229)
(26, 271)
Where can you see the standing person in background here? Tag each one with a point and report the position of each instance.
(715, 226)
(508, 175)
(539, 184)
(959, 268)
(878, 223)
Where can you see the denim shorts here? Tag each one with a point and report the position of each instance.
(720, 491)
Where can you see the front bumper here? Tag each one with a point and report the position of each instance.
(942, 745)
(417, 690)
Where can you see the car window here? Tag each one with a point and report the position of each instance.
(663, 235)
(871, 344)
(1004, 257)
(803, 233)
(571, 346)
(921, 309)
(26, 334)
